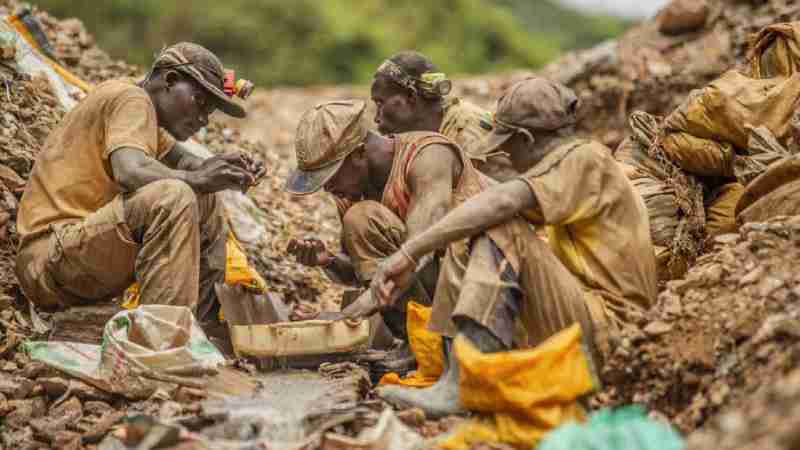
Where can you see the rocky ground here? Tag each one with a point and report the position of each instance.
(717, 356)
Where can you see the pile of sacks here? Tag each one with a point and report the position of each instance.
(725, 156)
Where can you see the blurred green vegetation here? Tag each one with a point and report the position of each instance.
(301, 42)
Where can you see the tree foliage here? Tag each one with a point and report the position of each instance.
(300, 42)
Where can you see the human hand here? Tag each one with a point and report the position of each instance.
(364, 306)
(242, 160)
(310, 252)
(393, 278)
(217, 174)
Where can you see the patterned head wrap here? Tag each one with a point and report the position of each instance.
(430, 85)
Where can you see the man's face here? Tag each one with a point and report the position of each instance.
(395, 111)
(352, 179)
(184, 108)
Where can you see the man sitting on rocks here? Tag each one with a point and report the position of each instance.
(598, 269)
(114, 199)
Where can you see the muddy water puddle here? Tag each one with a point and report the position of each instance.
(285, 413)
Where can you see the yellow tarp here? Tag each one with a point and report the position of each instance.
(427, 347)
(523, 394)
(237, 272)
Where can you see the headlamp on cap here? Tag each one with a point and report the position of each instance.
(436, 83)
(241, 88)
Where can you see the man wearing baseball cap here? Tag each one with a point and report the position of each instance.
(599, 259)
(113, 197)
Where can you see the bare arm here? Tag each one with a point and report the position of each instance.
(133, 169)
(431, 179)
(180, 158)
(490, 208)
(341, 270)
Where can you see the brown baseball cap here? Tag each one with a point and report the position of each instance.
(326, 135)
(533, 104)
(205, 68)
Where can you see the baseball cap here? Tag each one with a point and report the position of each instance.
(326, 135)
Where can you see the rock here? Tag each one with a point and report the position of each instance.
(727, 239)
(412, 417)
(752, 276)
(681, 16)
(22, 411)
(100, 429)
(11, 179)
(657, 328)
(59, 418)
(56, 387)
(37, 369)
(169, 410)
(778, 324)
(16, 388)
(96, 408)
(768, 285)
(186, 395)
(719, 393)
(67, 440)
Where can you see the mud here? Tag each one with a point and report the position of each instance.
(717, 356)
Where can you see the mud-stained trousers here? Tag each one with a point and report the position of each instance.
(164, 235)
(520, 309)
(371, 233)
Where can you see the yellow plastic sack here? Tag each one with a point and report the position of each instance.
(237, 272)
(775, 51)
(427, 348)
(721, 213)
(523, 394)
(724, 110)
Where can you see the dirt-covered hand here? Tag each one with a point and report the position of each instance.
(393, 277)
(310, 252)
(219, 175)
(243, 161)
(364, 306)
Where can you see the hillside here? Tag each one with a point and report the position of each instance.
(301, 42)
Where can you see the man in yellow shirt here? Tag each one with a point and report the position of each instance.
(113, 199)
(599, 251)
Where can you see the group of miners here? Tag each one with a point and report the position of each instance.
(507, 225)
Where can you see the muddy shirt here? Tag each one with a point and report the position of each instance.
(407, 146)
(467, 124)
(72, 176)
(597, 224)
